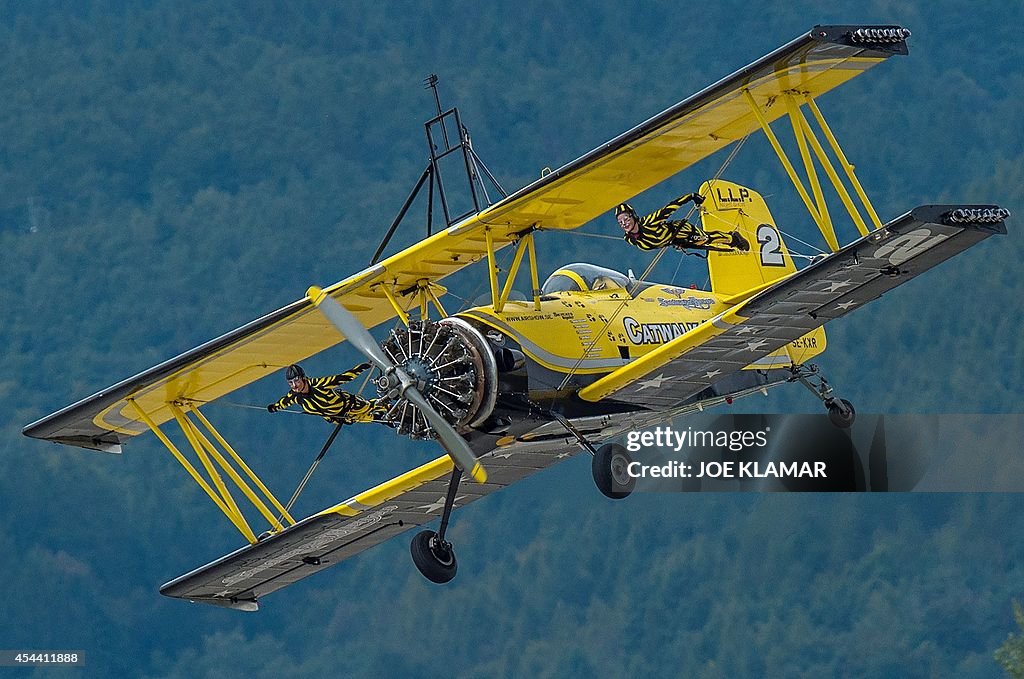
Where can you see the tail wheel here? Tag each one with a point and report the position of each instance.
(841, 413)
(610, 468)
(434, 557)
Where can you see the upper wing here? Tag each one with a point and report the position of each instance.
(696, 127)
(567, 198)
(290, 334)
(828, 289)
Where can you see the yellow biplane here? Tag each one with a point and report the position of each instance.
(513, 386)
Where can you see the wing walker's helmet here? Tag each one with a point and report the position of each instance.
(627, 209)
(294, 372)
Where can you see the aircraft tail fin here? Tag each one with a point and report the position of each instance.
(731, 207)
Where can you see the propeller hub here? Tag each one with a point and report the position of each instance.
(449, 364)
(422, 375)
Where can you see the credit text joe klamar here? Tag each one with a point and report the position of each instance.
(738, 442)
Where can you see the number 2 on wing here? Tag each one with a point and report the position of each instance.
(909, 245)
(771, 246)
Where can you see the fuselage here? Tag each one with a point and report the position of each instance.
(508, 374)
(592, 321)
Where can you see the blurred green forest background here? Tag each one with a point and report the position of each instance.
(169, 171)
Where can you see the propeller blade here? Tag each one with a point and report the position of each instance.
(454, 445)
(363, 341)
(350, 327)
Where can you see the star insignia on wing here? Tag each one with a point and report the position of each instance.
(713, 373)
(654, 382)
(838, 285)
(756, 344)
(846, 305)
(439, 504)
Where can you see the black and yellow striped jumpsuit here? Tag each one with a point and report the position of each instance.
(334, 406)
(656, 231)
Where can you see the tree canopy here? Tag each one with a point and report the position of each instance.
(170, 171)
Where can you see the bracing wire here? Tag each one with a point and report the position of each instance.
(589, 347)
(790, 238)
(577, 232)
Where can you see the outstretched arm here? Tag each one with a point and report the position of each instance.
(282, 403)
(666, 212)
(342, 378)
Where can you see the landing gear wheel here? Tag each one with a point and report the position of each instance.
(434, 557)
(610, 465)
(841, 413)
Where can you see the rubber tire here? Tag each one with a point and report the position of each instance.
(438, 569)
(838, 419)
(609, 470)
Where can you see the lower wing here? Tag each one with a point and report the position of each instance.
(827, 289)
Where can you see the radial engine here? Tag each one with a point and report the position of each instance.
(454, 367)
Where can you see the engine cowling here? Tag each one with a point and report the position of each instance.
(452, 366)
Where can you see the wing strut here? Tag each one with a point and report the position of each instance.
(499, 294)
(209, 454)
(807, 141)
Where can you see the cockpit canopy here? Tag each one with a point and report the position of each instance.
(584, 277)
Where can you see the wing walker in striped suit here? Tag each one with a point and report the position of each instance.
(656, 231)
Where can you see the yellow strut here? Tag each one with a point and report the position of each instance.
(241, 463)
(833, 176)
(524, 246)
(492, 267)
(184, 462)
(239, 481)
(785, 162)
(511, 278)
(534, 280)
(426, 294)
(234, 513)
(795, 118)
(423, 304)
(433, 298)
(394, 304)
(844, 162)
